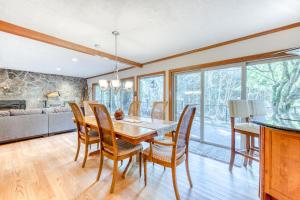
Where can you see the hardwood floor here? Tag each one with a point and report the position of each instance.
(44, 168)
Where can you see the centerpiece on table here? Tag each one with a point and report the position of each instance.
(119, 114)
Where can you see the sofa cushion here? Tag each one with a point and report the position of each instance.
(16, 112)
(4, 113)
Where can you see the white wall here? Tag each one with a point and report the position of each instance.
(272, 42)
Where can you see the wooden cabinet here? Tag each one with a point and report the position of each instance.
(280, 164)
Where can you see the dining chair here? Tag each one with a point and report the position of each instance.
(85, 135)
(158, 110)
(87, 109)
(172, 153)
(111, 147)
(134, 108)
(240, 109)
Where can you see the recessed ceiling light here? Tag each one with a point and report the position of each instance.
(58, 69)
(74, 59)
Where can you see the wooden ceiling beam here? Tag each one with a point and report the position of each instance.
(34, 35)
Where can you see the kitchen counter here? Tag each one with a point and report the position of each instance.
(282, 123)
(279, 158)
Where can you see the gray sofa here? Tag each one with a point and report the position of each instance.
(22, 124)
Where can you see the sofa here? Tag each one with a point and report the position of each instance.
(22, 124)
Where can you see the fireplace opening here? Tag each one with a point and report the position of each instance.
(12, 104)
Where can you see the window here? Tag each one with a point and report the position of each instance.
(277, 83)
(114, 100)
(126, 95)
(151, 89)
(220, 86)
(187, 90)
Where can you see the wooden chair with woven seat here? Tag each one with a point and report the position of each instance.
(134, 108)
(87, 109)
(111, 147)
(240, 109)
(172, 153)
(84, 134)
(158, 110)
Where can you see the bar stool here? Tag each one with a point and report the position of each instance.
(240, 109)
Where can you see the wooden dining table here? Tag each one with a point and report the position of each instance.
(136, 129)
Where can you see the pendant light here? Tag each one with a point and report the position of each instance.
(116, 83)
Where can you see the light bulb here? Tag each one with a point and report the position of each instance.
(103, 84)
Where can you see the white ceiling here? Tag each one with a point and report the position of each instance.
(149, 29)
(29, 55)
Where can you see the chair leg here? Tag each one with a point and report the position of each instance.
(145, 170)
(232, 157)
(115, 172)
(140, 163)
(78, 149)
(252, 146)
(86, 150)
(126, 168)
(100, 166)
(247, 150)
(175, 182)
(188, 169)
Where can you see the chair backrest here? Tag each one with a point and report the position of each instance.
(183, 130)
(158, 110)
(239, 109)
(80, 123)
(105, 128)
(134, 108)
(257, 108)
(87, 109)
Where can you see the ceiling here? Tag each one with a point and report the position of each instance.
(29, 55)
(148, 29)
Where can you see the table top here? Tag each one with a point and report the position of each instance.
(137, 129)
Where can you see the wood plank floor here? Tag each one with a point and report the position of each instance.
(43, 168)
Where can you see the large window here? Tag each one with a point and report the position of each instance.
(151, 89)
(277, 83)
(187, 90)
(114, 100)
(220, 86)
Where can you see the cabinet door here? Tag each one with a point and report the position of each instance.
(282, 164)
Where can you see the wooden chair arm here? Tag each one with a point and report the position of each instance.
(163, 143)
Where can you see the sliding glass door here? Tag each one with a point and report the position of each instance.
(209, 91)
(187, 90)
(277, 83)
(220, 86)
(151, 89)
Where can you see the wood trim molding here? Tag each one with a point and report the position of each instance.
(34, 35)
(256, 57)
(282, 28)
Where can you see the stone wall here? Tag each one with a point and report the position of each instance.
(33, 87)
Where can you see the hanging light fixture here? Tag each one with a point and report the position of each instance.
(103, 84)
(128, 85)
(116, 83)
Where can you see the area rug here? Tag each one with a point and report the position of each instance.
(214, 152)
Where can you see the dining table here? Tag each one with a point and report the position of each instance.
(135, 129)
